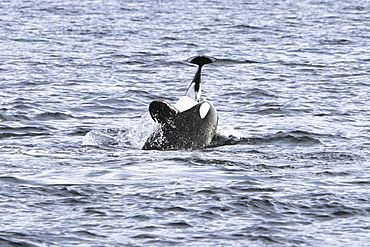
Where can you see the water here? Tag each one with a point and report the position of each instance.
(291, 87)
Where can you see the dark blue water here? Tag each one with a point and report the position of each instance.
(291, 86)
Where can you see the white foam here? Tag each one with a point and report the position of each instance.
(138, 133)
(227, 131)
(100, 137)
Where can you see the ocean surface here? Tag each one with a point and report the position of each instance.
(291, 86)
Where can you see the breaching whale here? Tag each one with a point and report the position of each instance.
(190, 124)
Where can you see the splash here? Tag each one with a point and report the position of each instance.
(228, 131)
(133, 137)
(103, 137)
(225, 135)
(136, 135)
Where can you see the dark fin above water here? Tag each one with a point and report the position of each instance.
(201, 60)
(162, 112)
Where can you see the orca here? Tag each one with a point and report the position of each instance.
(189, 124)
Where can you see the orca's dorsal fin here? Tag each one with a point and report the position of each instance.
(194, 90)
(162, 112)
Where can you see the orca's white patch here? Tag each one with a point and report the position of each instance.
(185, 103)
(192, 93)
(204, 109)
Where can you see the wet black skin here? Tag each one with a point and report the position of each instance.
(185, 130)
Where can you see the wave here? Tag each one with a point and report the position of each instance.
(52, 116)
(42, 117)
(15, 180)
(13, 117)
(6, 131)
(234, 61)
(296, 137)
(8, 242)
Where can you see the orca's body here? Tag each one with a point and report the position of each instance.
(190, 124)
